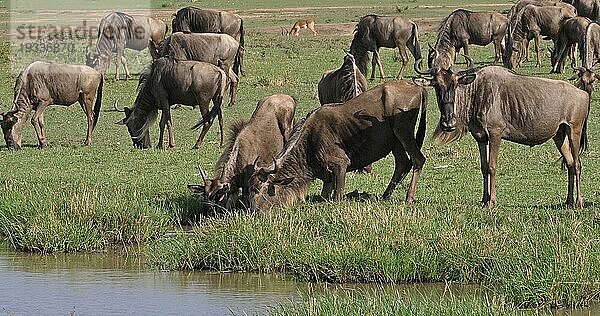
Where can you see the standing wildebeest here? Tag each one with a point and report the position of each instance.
(336, 139)
(463, 27)
(531, 23)
(254, 142)
(518, 7)
(373, 31)
(118, 31)
(216, 49)
(42, 84)
(494, 103)
(196, 20)
(169, 82)
(342, 84)
(571, 34)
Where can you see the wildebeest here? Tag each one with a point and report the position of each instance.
(463, 27)
(118, 31)
(196, 20)
(494, 103)
(374, 31)
(336, 139)
(570, 35)
(169, 82)
(216, 49)
(531, 23)
(342, 84)
(591, 46)
(252, 143)
(44, 83)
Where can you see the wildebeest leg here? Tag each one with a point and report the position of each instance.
(221, 126)
(407, 139)
(118, 61)
(562, 143)
(339, 175)
(376, 61)
(87, 102)
(124, 62)
(37, 120)
(484, 163)
(327, 190)
(233, 86)
(404, 57)
(497, 49)
(538, 62)
(465, 47)
(402, 165)
(205, 126)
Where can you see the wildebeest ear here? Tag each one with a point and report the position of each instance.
(285, 181)
(195, 188)
(467, 79)
(421, 82)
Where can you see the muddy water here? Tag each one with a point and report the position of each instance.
(111, 283)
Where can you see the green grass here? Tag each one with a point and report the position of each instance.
(527, 251)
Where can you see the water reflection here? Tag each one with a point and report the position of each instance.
(113, 283)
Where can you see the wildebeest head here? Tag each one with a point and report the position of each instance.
(264, 186)
(445, 82)
(96, 60)
(215, 192)
(136, 127)
(11, 130)
(585, 78)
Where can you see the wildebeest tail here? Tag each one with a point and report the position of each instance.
(241, 32)
(420, 137)
(413, 42)
(98, 101)
(238, 63)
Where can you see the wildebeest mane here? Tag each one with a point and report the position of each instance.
(144, 100)
(359, 46)
(17, 89)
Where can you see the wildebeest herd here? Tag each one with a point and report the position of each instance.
(270, 161)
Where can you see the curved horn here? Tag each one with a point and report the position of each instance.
(87, 49)
(116, 106)
(418, 70)
(202, 174)
(469, 60)
(255, 162)
(274, 166)
(578, 69)
(430, 47)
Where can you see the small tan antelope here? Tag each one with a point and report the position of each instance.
(300, 24)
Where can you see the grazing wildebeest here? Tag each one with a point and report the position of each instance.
(570, 35)
(44, 83)
(253, 142)
(342, 84)
(591, 46)
(118, 31)
(494, 103)
(196, 20)
(301, 24)
(531, 23)
(374, 31)
(463, 27)
(216, 49)
(169, 82)
(336, 139)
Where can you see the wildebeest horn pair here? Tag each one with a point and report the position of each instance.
(268, 172)
(434, 70)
